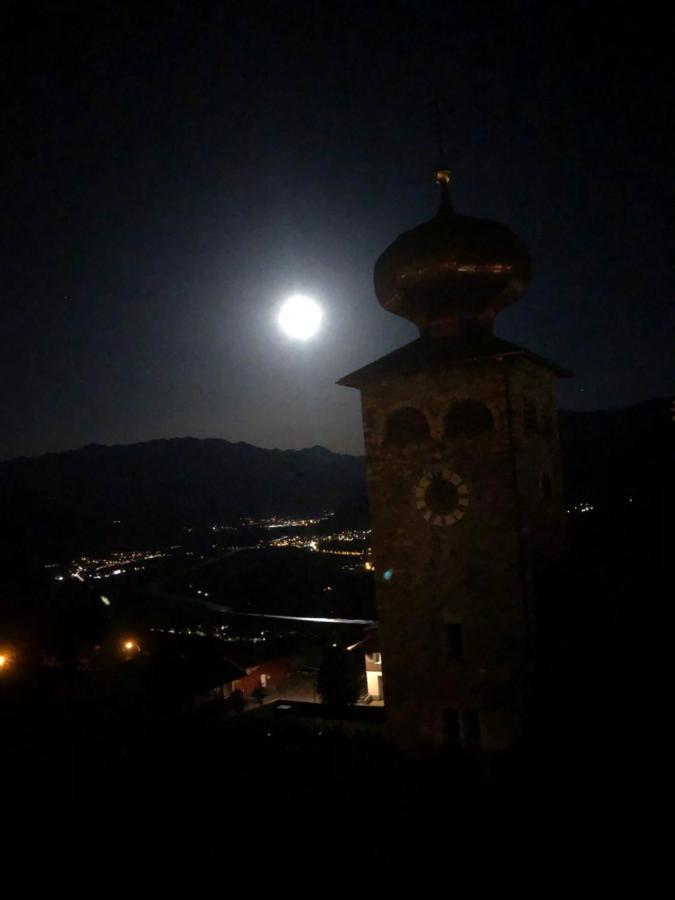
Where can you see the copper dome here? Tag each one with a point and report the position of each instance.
(452, 273)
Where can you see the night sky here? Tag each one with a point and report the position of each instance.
(173, 170)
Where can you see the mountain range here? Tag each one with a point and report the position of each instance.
(147, 492)
(78, 499)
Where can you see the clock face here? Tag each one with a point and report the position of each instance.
(441, 497)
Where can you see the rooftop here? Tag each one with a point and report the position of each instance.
(433, 354)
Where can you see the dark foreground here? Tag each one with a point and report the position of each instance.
(218, 800)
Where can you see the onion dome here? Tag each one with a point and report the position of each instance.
(454, 273)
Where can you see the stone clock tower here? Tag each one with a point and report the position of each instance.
(464, 481)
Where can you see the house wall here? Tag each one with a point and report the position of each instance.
(373, 674)
(373, 684)
(221, 692)
(275, 672)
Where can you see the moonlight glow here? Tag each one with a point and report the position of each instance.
(300, 317)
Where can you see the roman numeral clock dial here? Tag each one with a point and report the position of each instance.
(441, 497)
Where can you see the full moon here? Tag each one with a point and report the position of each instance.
(300, 317)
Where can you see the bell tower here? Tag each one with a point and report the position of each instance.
(463, 468)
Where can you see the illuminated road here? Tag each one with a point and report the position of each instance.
(320, 619)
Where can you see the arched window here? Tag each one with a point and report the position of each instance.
(407, 426)
(468, 418)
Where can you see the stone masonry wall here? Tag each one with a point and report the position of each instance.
(475, 572)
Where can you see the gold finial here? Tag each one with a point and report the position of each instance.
(443, 176)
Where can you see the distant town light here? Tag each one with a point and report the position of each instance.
(105, 600)
(4, 661)
(582, 507)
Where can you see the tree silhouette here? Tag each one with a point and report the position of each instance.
(259, 693)
(340, 678)
(237, 701)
